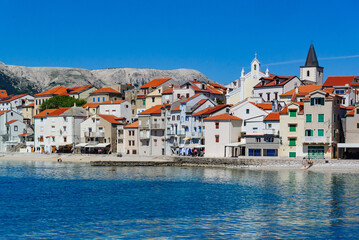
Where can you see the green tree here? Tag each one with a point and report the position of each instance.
(61, 101)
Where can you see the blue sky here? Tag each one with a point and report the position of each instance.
(217, 38)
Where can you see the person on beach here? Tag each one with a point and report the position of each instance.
(309, 162)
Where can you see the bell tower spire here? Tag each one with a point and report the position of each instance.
(311, 72)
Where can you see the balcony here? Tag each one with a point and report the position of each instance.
(269, 131)
(315, 140)
(145, 135)
(94, 134)
(157, 126)
(171, 132)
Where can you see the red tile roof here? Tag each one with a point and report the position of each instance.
(153, 110)
(52, 112)
(132, 125)
(190, 98)
(225, 116)
(155, 82)
(338, 81)
(25, 134)
(176, 108)
(216, 85)
(168, 91)
(265, 106)
(2, 112)
(112, 102)
(80, 88)
(211, 110)
(350, 113)
(272, 81)
(110, 118)
(106, 90)
(273, 116)
(29, 105)
(60, 90)
(302, 90)
(12, 98)
(3, 94)
(91, 105)
(12, 121)
(141, 96)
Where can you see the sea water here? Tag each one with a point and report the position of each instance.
(44, 200)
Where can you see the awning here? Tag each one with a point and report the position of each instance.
(81, 145)
(348, 145)
(235, 144)
(102, 145)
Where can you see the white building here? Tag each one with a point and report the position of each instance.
(243, 87)
(15, 102)
(58, 129)
(11, 126)
(118, 109)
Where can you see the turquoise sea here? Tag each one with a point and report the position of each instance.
(42, 200)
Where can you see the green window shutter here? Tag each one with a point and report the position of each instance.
(143, 102)
(292, 128)
(320, 132)
(309, 117)
(311, 132)
(322, 101)
(292, 141)
(320, 117)
(293, 113)
(292, 154)
(312, 101)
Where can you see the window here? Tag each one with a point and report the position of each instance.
(320, 132)
(143, 102)
(98, 99)
(357, 110)
(339, 91)
(41, 119)
(357, 125)
(65, 128)
(260, 95)
(269, 125)
(255, 66)
(258, 139)
(41, 139)
(153, 99)
(65, 119)
(52, 128)
(187, 118)
(53, 139)
(187, 95)
(320, 117)
(100, 129)
(129, 142)
(309, 118)
(15, 128)
(309, 132)
(103, 99)
(268, 96)
(275, 95)
(178, 95)
(317, 101)
(292, 154)
(292, 127)
(200, 129)
(247, 111)
(90, 129)
(173, 117)
(292, 141)
(308, 73)
(217, 124)
(217, 138)
(178, 117)
(292, 113)
(65, 139)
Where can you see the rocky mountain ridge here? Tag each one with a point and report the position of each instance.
(20, 79)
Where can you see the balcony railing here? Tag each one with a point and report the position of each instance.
(157, 126)
(94, 134)
(316, 140)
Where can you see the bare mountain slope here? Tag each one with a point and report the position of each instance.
(19, 79)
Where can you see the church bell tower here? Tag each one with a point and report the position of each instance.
(311, 73)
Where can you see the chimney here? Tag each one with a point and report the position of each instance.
(296, 90)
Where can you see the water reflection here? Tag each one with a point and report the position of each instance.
(174, 202)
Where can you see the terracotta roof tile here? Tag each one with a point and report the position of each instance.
(153, 110)
(211, 110)
(60, 90)
(3, 94)
(141, 96)
(105, 90)
(350, 113)
(155, 82)
(338, 81)
(110, 118)
(168, 91)
(190, 98)
(91, 105)
(80, 88)
(225, 116)
(132, 125)
(12, 98)
(176, 108)
(29, 105)
(265, 106)
(112, 102)
(51, 112)
(273, 116)
(12, 121)
(272, 81)
(302, 90)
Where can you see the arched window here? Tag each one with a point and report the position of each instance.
(308, 74)
(255, 66)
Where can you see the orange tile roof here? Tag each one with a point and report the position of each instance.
(265, 106)
(12, 98)
(225, 116)
(112, 102)
(12, 121)
(350, 113)
(110, 118)
(132, 125)
(176, 108)
(210, 110)
(168, 91)
(80, 88)
(51, 112)
(273, 116)
(25, 134)
(153, 110)
(216, 85)
(190, 98)
(338, 81)
(2, 112)
(91, 105)
(271, 81)
(29, 105)
(3, 94)
(141, 96)
(155, 82)
(302, 90)
(105, 90)
(60, 90)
